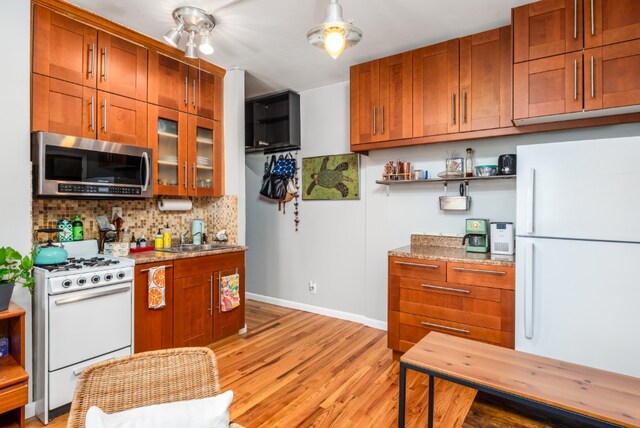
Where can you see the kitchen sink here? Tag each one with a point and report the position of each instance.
(192, 248)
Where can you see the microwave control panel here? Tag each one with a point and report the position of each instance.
(67, 188)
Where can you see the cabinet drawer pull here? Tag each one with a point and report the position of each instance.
(453, 290)
(104, 115)
(92, 63)
(193, 171)
(575, 19)
(186, 89)
(593, 81)
(593, 20)
(374, 120)
(382, 121)
(211, 295)
(575, 79)
(186, 178)
(464, 107)
(453, 108)
(104, 64)
(444, 327)
(194, 93)
(418, 265)
(489, 272)
(165, 266)
(92, 114)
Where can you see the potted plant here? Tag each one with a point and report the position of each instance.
(14, 269)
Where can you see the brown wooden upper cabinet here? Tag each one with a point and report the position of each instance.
(610, 21)
(189, 153)
(547, 28)
(74, 52)
(485, 80)
(381, 93)
(179, 86)
(436, 107)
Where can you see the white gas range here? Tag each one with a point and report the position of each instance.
(83, 314)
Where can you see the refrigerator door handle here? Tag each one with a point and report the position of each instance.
(528, 290)
(530, 200)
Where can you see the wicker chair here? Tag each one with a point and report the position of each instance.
(144, 379)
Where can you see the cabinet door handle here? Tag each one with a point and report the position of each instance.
(104, 64)
(593, 20)
(444, 327)
(575, 19)
(104, 115)
(382, 121)
(453, 290)
(374, 120)
(193, 170)
(453, 108)
(464, 107)
(593, 79)
(575, 79)
(193, 102)
(186, 178)
(211, 295)
(219, 296)
(417, 265)
(186, 89)
(92, 62)
(92, 114)
(488, 272)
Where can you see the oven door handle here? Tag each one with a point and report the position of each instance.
(145, 158)
(93, 296)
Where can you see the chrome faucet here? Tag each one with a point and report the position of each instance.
(183, 237)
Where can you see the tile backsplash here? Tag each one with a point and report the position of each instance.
(141, 216)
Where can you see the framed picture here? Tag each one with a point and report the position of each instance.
(331, 177)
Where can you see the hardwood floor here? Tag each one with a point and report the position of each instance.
(295, 368)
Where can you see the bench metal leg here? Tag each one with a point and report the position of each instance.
(401, 398)
(431, 392)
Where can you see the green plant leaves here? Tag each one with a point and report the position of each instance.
(15, 268)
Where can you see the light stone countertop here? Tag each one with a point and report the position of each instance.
(161, 256)
(448, 248)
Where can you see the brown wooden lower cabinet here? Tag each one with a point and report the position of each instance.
(467, 300)
(153, 328)
(192, 315)
(198, 319)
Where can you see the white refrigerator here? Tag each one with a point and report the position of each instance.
(578, 253)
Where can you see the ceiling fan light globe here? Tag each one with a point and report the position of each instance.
(173, 36)
(334, 42)
(206, 45)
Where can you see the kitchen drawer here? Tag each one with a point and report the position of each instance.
(418, 268)
(443, 288)
(412, 328)
(483, 313)
(482, 275)
(14, 396)
(206, 264)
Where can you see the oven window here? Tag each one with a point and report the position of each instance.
(72, 164)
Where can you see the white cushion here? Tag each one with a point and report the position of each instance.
(211, 412)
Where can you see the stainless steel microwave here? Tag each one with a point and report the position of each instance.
(82, 168)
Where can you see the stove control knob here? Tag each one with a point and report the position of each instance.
(95, 279)
(81, 281)
(120, 275)
(108, 277)
(66, 283)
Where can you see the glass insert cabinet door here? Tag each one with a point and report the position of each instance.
(205, 154)
(168, 131)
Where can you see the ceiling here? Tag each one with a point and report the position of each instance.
(267, 38)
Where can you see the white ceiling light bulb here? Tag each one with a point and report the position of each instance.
(206, 44)
(335, 34)
(334, 42)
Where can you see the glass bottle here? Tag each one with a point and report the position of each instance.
(468, 164)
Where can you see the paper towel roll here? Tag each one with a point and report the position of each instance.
(175, 204)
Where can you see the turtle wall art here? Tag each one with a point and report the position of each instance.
(331, 177)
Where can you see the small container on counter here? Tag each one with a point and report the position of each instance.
(133, 243)
(166, 236)
(159, 241)
(142, 242)
(78, 229)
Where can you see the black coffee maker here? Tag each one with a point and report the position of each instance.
(507, 165)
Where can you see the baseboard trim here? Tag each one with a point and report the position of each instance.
(30, 410)
(348, 316)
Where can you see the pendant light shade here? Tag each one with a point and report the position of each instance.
(334, 35)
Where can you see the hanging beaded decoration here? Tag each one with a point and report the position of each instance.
(296, 211)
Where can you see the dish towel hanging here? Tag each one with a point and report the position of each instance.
(229, 292)
(155, 295)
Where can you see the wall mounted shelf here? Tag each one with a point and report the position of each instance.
(444, 181)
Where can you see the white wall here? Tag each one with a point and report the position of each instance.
(15, 176)
(343, 245)
(234, 143)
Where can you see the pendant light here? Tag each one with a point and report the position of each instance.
(334, 35)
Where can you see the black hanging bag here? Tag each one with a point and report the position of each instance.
(273, 186)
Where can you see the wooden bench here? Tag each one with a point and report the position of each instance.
(582, 393)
